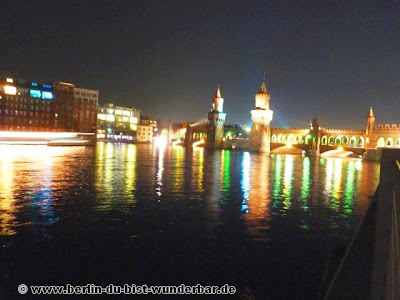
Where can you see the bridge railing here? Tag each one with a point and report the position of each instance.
(386, 264)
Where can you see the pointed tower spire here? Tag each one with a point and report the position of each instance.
(218, 92)
(371, 112)
(263, 88)
(370, 122)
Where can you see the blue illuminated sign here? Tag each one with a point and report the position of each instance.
(36, 94)
(48, 86)
(47, 95)
(34, 84)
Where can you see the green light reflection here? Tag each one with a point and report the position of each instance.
(288, 178)
(349, 190)
(225, 176)
(305, 182)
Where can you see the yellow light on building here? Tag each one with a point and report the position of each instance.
(110, 111)
(110, 118)
(133, 127)
(133, 120)
(10, 80)
(125, 119)
(10, 90)
(118, 112)
(101, 116)
(127, 113)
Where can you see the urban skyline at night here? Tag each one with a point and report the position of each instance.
(326, 60)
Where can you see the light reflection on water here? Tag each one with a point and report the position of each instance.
(132, 194)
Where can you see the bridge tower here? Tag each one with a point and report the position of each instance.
(215, 130)
(261, 116)
(370, 127)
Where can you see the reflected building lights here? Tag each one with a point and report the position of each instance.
(305, 182)
(200, 169)
(160, 170)
(328, 178)
(288, 178)
(277, 180)
(349, 190)
(337, 180)
(130, 172)
(245, 181)
(178, 154)
(225, 176)
(14, 162)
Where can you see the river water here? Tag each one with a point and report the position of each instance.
(125, 213)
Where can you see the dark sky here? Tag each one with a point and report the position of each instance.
(326, 59)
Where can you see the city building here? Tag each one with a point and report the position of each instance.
(85, 109)
(117, 122)
(144, 134)
(75, 108)
(26, 106)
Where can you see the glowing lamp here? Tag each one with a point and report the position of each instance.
(161, 141)
(340, 148)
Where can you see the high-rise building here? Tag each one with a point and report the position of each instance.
(117, 122)
(26, 106)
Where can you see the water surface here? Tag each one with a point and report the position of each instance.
(124, 213)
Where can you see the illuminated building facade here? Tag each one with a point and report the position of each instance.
(216, 117)
(117, 123)
(144, 134)
(26, 106)
(261, 116)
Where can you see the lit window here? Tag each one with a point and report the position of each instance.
(10, 90)
(47, 95)
(133, 120)
(10, 80)
(35, 94)
(118, 112)
(110, 118)
(110, 111)
(101, 116)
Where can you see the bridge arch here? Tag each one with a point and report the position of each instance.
(307, 139)
(345, 141)
(279, 139)
(360, 142)
(324, 140)
(397, 143)
(338, 140)
(273, 138)
(291, 138)
(331, 141)
(353, 141)
(389, 142)
(380, 142)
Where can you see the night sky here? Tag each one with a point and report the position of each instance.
(326, 59)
